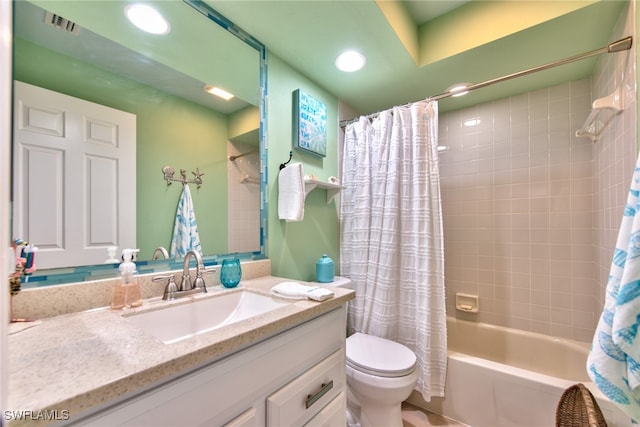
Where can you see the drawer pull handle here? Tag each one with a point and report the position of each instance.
(313, 398)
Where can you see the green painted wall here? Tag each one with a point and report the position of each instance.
(170, 131)
(294, 247)
(243, 122)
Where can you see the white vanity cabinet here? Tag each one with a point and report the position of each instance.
(294, 378)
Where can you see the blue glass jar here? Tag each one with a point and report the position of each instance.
(230, 273)
(324, 269)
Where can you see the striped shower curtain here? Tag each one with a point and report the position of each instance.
(391, 244)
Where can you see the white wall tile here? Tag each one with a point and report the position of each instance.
(537, 234)
(243, 198)
(614, 154)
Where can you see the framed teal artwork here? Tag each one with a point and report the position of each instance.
(309, 123)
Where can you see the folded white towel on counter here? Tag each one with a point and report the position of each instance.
(291, 193)
(294, 290)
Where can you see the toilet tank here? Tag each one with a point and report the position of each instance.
(346, 283)
(341, 282)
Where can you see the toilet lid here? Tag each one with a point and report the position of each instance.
(378, 356)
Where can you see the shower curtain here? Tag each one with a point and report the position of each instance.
(391, 244)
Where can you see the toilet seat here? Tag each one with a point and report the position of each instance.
(378, 356)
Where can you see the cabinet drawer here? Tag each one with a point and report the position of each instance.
(247, 419)
(334, 414)
(298, 401)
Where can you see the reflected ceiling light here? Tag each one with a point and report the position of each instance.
(218, 92)
(459, 89)
(471, 122)
(147, 18)
(350, 61)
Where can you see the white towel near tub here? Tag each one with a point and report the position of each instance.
(614, 361)
(291, 193)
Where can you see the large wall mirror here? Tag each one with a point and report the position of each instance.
(90, 52)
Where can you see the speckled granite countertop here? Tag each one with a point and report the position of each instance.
(81, 361)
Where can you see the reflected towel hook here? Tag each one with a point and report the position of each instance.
(283, 165)
(169, 171)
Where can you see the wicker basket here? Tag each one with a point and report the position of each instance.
(578, 408)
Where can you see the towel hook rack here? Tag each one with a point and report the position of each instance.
(169, 172)
(283, 165)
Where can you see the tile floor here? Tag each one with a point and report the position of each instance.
(413, 416)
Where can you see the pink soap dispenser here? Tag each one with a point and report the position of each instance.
(127, 292)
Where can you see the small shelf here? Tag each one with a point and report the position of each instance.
(332, 189)
(603, 111)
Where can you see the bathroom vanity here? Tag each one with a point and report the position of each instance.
(280, 368)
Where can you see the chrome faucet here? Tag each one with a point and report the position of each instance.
(185, 283)
(185, 288)
(159, 251)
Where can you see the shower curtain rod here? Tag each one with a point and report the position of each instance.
(616, 46)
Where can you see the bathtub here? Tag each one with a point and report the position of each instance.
(502, 377)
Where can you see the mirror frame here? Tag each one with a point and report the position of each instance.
(221, 20)
(106, 271)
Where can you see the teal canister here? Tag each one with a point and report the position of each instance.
(324, 269)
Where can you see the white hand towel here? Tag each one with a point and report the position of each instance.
(291, 193)
(185, 229)
(295, 290)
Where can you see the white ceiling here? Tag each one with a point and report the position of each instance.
(228, 62)
(309, 34)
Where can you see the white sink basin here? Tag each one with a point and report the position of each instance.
(178, 322)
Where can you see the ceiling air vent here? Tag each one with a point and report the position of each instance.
(61, 23)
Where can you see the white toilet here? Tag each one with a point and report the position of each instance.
(381, 374)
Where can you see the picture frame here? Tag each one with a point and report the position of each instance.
(309, 123)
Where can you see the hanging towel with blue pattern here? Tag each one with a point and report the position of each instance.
(185, 230)
(614, 361)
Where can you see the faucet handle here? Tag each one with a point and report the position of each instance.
(209, 270)
(199, 280)
(171, 288)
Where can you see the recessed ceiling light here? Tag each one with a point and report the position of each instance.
(218, 92)
(459, 89)
(147, 18)
(350, 61)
